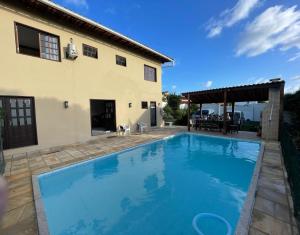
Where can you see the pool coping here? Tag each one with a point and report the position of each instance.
(245, 219)
(245, 216)
(42, 223)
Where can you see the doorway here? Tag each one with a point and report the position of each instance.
(153, 113)
(103, 116)
(19, 126)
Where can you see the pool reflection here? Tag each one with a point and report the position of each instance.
(154, 189)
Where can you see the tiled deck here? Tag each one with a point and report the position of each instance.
(271, 215)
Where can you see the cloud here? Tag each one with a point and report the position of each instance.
(255, 80)
(276, 27)
(230, 17)
(173, 87)
(111, 11)
(296, 78)
(136, 6)
(292, 84)
(295, 57)
(208, 84)
(78, 3)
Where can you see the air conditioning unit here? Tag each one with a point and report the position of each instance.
(72, 52)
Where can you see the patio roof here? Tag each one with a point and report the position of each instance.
(254, 92)
(67, 18)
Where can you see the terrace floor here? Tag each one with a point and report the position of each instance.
(272, 212)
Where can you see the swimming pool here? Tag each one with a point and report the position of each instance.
(156, 188)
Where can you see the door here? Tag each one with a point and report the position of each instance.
(153, 113)
(103, 115)
(19, 122)
(110, 115)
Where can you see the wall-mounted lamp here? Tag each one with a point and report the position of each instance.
(130, 105)
(66, 104)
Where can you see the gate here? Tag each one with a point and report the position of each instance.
(2, 163)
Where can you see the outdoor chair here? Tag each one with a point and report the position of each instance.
(141, 127)
(233, 128)
(124, 129)
(192, 123)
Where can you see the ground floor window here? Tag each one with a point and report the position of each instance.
(144, 105)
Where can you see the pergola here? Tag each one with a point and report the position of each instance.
(244, 93)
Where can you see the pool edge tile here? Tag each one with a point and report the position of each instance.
(42, 223)
(244, 222)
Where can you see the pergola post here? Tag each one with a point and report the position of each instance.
(200, 110)
(189, 113)
(232, 111)
(225, 113)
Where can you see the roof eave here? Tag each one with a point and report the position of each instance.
(163, 58)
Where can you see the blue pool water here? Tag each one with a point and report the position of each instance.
(154, 189)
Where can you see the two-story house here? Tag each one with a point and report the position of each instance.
(65, 77)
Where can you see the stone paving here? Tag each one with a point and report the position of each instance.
(271, 214)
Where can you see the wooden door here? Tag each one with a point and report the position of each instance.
(19, 122)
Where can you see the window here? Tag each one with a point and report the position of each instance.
(49, 47)
(90, 51)
(121, 60)
(149, 73)
(37, 43)
(144, 105)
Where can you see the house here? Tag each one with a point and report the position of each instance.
(65, 77)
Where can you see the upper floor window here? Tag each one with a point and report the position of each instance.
(121, 60)
(149, 73)
(90, 51)
(37, 43)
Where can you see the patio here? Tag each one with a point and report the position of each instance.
(272, 212)
(271, 91)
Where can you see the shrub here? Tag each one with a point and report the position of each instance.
(292, 103)
(172, 112)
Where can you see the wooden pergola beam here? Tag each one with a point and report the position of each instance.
(200, 109)
(255, 92)
(232, 110)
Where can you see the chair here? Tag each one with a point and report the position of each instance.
(192, 123)
(141, 127)
(124, 129)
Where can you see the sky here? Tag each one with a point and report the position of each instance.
(214, 43)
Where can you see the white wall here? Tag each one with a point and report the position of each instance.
(252, 111)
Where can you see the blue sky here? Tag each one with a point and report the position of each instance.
(215, 43)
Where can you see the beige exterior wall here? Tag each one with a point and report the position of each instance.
(51, 83)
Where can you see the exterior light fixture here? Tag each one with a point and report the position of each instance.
(66, 104)
(130, 105)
